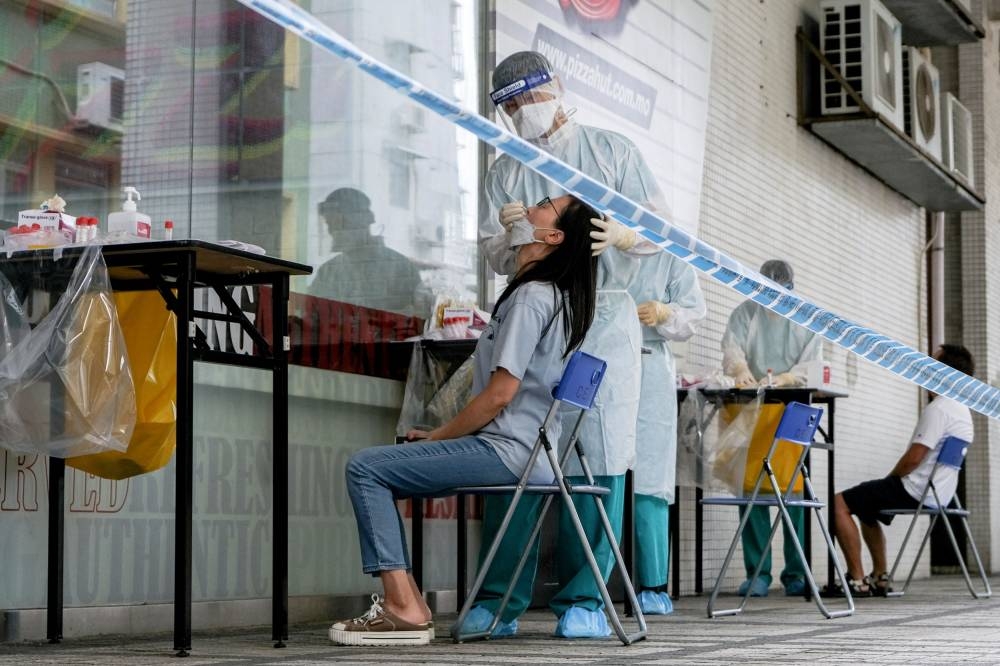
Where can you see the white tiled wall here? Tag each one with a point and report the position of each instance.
(774, 190)
(978, 86)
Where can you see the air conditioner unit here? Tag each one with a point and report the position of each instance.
(956, 138)
(863, 41)
(100, 95)
(921, 101)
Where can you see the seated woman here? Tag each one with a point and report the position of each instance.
(540, 318)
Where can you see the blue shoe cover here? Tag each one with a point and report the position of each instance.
(479, 619)
(655, 603)
(579, 622)
(795, 588)
(758, 589)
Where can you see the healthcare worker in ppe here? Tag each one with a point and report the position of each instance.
(528, 96)
(670, 306)
(757, 340)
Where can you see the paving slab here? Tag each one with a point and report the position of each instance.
(937, 622)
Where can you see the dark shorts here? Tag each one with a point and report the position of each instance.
(865, 500)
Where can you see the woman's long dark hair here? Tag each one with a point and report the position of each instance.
(571, 268)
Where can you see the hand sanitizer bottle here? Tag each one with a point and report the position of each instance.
(129, 220)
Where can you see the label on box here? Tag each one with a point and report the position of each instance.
(457, 317)
(46, 220)
(818, 374)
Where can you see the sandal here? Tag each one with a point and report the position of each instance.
(859, 588)
(879, 585)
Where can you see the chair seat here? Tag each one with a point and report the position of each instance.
(547, 489)
(761, 501)
(929, 511)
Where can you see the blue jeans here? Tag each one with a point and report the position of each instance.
(380, 475)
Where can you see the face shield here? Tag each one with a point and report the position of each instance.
(528, 106)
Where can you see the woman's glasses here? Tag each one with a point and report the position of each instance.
(548, 201)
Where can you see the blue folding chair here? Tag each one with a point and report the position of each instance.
(578, 387)
(951, 454)
(798, 426)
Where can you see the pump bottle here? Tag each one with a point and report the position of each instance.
(129, 220)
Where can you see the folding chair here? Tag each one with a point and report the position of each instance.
(798, 426)
(951, 454)
(578, 387)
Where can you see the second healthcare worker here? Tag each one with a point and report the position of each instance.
(670, 306)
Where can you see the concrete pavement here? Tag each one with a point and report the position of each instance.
(937, 622)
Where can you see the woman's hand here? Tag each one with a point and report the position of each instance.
(415, 435)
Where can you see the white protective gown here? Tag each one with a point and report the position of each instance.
(764, 339)
(608, 432)
(665, 278)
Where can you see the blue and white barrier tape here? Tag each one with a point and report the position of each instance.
(896, 357)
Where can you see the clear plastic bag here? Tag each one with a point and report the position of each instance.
(66, 388)
(729, 459)
(438, 384)
(713, 441)
(453, 395)
(13, 320)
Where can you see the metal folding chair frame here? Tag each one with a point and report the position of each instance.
(782, 501)
(953, 508)
(562, 487)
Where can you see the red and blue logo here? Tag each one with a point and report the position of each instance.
(594, 10)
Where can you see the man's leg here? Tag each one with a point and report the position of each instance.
(875, 540)
(848, 537)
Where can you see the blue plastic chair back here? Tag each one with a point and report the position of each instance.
(952, 452)
(580, 380)
(798, 424)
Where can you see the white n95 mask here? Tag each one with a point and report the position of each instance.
(533, 120)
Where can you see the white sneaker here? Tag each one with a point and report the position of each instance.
(380, 627)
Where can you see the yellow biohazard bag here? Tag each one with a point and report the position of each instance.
(785, 455)
(150, 332)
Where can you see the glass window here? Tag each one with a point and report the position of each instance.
(234, 129)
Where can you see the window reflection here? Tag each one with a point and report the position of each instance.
(233, 129)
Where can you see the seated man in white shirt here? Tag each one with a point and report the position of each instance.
(902, 489)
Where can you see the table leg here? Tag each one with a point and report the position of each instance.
(831, 578)
(417, 534)
(462, 556)
(807, 520)
(699, 539)
(54, 611)
(279, 397)
(184, 457)
(675, 542)
(628, 534)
